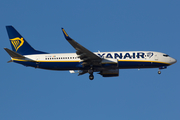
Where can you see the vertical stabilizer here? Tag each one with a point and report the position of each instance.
(19, 44)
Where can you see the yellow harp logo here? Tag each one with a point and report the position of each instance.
(17, 42)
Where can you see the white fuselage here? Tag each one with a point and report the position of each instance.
(126, 59)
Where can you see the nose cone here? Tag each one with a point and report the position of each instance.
(173, 61)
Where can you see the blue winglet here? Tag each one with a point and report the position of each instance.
(66, 35)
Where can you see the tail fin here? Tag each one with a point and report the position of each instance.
(19, 44)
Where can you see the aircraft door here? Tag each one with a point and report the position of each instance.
(37, 61)
(156, 57)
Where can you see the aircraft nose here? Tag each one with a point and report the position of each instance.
(173, 60)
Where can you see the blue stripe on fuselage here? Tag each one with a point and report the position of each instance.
(77, 65)
(52, 65)
(129, 64)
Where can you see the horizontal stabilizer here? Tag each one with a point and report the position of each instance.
(13, 54)
(10, 61)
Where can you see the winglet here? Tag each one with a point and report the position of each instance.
(66, 35)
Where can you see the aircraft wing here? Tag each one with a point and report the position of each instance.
(88, 57)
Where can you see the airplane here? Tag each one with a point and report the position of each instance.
(83, 61)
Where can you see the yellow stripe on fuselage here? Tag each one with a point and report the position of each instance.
(14, 59)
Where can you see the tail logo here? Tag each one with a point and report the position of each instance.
(17, 42)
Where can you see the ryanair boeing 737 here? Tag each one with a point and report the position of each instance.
(83, 61)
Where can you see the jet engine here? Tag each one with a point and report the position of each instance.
(110, 73)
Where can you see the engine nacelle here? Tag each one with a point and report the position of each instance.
(110, 73)
(81, 56)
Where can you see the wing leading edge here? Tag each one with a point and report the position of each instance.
(88, 57)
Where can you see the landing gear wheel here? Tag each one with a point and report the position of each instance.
(159, 72)
(91, 76)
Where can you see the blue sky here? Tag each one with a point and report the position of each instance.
(27, 93)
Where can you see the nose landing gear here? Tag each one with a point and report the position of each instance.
(91, 76)
(159, 72)
(162, 67)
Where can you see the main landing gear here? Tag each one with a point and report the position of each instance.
(91, 76)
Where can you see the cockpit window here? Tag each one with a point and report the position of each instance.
(166, 55)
